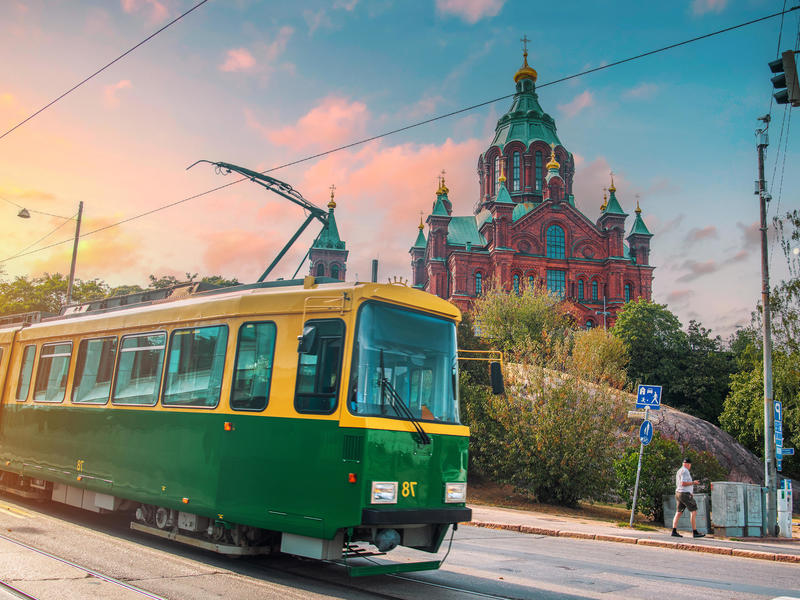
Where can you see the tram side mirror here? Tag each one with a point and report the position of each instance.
(496, 375)
(306, 341)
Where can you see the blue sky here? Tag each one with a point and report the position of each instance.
(260, 84)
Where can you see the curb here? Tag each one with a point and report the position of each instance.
(625, 539)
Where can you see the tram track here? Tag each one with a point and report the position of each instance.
(89, 571)
(281, 567)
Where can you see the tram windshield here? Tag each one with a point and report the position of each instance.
(418, 355)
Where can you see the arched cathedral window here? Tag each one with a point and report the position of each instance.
(580, 289)
(555, 242)
(627, 292)
(478, 283)
(538, 170)
(320, 270)
(496, 174)
(515, 178)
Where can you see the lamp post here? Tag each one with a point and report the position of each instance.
(24, 213)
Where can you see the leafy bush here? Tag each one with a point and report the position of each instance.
(661, 460)
(599, 357)
(543, 437)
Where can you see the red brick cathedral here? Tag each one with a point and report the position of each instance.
(527, 231)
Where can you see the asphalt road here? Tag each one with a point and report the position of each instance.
(483, 563)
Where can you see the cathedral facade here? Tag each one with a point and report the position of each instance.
(526, 230)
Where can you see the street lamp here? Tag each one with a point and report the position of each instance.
(25, 214)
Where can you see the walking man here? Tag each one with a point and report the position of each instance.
(684, 490)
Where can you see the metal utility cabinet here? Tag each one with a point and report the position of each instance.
(685, 522)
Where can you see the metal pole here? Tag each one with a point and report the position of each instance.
(770, 472)
(74, 253)
(638, 471)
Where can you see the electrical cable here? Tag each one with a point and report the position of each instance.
(101, 69)
(420, 123)
(43, 237)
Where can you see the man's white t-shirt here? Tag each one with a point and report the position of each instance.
(681, 476)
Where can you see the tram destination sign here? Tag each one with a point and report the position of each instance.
(649, 396)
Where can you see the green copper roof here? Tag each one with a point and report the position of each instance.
(525, 121)
(522, 209)
(438, 207)
(329, 236)
(638, 225)
(463, 230)
(613, 207)
(503, 197)
(420, 243)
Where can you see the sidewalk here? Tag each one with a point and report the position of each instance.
(777, 549)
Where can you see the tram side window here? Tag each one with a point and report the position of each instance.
(319, 370)
(25, 372)
(51, 374)
(195, 365)
(252, 374)
(93, 370)
(138, 376)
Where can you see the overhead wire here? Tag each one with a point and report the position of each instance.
(419, 123)
(44, 237)
(101, 69)
(782, 137)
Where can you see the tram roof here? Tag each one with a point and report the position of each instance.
(267, 298)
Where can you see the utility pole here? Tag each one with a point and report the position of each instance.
(605, 313)
(74, 253)
(770, 472)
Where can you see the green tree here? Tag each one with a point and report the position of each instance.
(661, 460)
(704, 380)
(654, 340)
(534, 322)
(47, 293)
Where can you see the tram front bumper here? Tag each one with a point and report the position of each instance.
(424, 516)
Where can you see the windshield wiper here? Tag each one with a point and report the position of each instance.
(399, 406)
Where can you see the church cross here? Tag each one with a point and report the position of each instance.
(333, 189)
(525, 41)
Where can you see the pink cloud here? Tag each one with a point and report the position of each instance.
(110, 92)
(157, 10)
(697, 234)
(590, 180)
(278, 45)
(470, 11)
(576, 105)
(642, 91)
(701, 7)
(347, 5)
(238, 59)
(333, 122)
(317, 19)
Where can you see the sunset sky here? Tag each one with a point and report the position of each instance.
(261, 84)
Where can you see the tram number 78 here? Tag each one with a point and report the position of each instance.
(409, 489)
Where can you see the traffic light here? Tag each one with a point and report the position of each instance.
(787, 79)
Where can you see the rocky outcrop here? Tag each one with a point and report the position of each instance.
(701, 435)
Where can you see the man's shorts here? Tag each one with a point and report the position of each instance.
(685, 500)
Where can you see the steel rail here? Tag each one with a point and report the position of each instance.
(87, 570)
(387, 596)
(16, 591)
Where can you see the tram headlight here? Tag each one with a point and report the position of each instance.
(455, 492)
(384, 492)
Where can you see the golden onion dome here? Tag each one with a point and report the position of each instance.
(553, 164)
(525, 72)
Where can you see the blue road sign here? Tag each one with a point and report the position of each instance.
(778, 410)
(778, 427)
(646, 432)
(649, 396)
(787, 451)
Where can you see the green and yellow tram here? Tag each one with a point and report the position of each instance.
(303, 415)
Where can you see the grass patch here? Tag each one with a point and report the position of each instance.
(639, 526)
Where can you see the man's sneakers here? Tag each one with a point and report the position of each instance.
(675, 533)
(697, 534)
